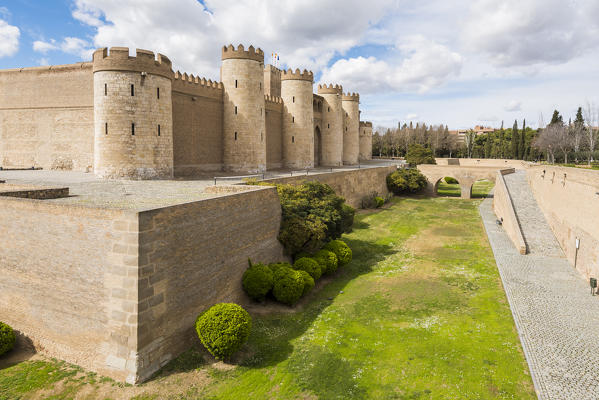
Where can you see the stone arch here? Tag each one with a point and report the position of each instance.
(449, 189)
(317, 146)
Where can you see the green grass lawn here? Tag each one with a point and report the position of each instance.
(418, 314)
(479, 189)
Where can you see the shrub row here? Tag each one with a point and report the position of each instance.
(312, 215)
(288, 283)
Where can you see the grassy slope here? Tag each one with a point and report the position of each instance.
(418, 314)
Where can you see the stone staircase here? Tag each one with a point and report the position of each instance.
(537, 233)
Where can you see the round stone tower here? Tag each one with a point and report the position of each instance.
(298, 119)
(244, 129)
(133, 125)
(365, 141)
(332, 125)
(351, 131)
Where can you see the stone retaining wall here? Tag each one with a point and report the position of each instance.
(504, 210)
(353, 185)
(569, 200)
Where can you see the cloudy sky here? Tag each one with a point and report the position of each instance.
(458, 62)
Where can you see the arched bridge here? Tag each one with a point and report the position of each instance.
(466, 176)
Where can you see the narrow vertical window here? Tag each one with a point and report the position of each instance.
(329, 109)
(132, 90)
(105, 89)
(158, 129)
(261, 136)
(106, 128)
(235, 82)
(158, 92)
(293, 99)
(235, 110)
(132, 128)
(235, 135)
(260, 85)
(292, 139)
(328, 125)
(346, 129)
(292, 120)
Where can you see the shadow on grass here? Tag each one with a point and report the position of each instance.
(270, 342)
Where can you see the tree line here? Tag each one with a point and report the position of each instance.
(556, 142)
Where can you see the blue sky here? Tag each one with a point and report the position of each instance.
(460, 63)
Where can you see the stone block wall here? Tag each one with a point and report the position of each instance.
(197, 126)
(69, 282)
(193, 256)
(569, 200)
(353, 185)
(47, 117)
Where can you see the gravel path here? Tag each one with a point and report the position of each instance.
(556, 316)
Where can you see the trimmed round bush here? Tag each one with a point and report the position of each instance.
(258, 281)
(341, 250)
(7, 338)
(223, 329)
(379, 201)
(327, 260)
(289, 285)
(310, 265)
(308, 282)
(275, 266)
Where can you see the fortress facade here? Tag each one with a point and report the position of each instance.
(134, 118)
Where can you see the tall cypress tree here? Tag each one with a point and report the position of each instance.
(515, 141)
(556, 118)
(523, 141)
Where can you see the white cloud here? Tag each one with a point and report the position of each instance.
(412, 117)
(306, 34)
(516, 32)
(9, 38)
(513, 105)
(426, 65)
(43, 47)
(69, 45)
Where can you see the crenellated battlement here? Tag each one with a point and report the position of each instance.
(196, 80)
(330, 89)
(350, 97)
(366, 124)
(297, 75)
(195, 86)
(230, 52)
(273, 99)
(118, 59)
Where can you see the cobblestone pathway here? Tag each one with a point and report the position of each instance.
(556, 316)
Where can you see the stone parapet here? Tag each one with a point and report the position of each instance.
(330, 89)
(230, 52)
(118, 59)
(304, 75)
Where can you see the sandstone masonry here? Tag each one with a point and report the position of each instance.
(132, 117)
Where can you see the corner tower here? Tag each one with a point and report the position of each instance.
(133, 122)
(244, 130)
(365, 141)
(351, 131)
(332, 125)
(298, 119)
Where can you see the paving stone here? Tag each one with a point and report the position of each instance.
(556, 316)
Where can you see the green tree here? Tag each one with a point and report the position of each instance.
(522, 144)
(418, 154)
(556, 118)
(515, 141)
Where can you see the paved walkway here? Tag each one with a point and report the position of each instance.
(556, 316)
